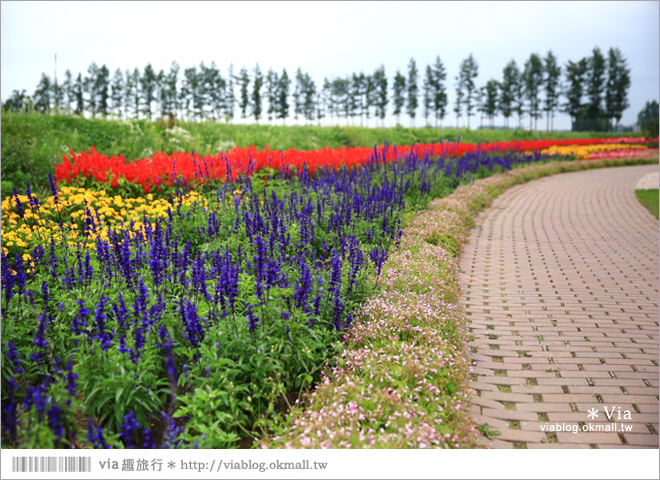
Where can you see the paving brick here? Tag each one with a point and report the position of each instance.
(647, 440)
(569, 397)
(544, 407)
(536, 389)
(636, 399)
(642, 390)
(514, 415)
(600, 389)
(546, 446)
(588, 437)
(521, 436)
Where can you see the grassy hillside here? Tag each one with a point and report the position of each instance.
(33, 143)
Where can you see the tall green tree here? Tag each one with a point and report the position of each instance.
(648, 118)
(398, 98)
(342, 97)
(411, 99)
(650, 111)
(380, 93)
(19, 101)
(205, 82)
(490, 99)
(508, 90)
(353, 98)
(192, 93)
(137, 93)
(89, 87)
(309, 100)
(230, 102)
(575, 76)
(618, 83)
(42, 94)
(468, 72)
(161, 93)
(480, 104)
(117, 92)
(130, 91)
(102, 88)
(58, 97)
(368, 95)
(217, 92)
(243, 81)
(326, 98)
(551, 78)
(283, 87)
(532, 77)
(297, 94)
(257, 84)
(170, 86)
(78, 90)
(595, 85)
(272, 86)
(427, 95)
(460, 98)
(439, 93)
(69, 94)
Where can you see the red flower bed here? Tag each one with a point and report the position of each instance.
(624, 153)
(226, 166)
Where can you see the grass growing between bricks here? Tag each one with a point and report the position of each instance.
(403, 378)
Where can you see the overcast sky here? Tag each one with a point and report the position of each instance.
(326, 38)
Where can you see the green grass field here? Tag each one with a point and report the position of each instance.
(649, 198)
(33, 143)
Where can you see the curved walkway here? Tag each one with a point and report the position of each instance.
(561, 284)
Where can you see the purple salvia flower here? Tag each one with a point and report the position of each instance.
(13, 357)
(70, 378)
(128, 428)
(95, 436)
(55, 423)
(170, 365)
(252, 319)
(40, 336)
(9, 419)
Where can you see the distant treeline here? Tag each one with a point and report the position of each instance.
(594, 92)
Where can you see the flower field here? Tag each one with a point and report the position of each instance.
(162, 168)
(194, 311)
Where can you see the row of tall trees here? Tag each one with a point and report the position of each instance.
(595, 90)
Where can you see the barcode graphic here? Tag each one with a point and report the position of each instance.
(51, 464)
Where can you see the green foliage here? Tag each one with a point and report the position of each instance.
(468, 71)
(532, 78)
(509, 88)
(648, 119)
(618, 83)
(551, 83)
(649, 198)
(411, 99)
(45, 138)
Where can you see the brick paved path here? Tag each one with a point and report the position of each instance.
(561, 285)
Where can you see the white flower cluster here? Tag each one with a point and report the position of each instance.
(225, 145)
(133, 126)
(179, 133)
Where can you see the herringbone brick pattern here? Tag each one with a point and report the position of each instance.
(561, 285)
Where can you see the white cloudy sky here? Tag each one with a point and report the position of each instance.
(325, 38)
